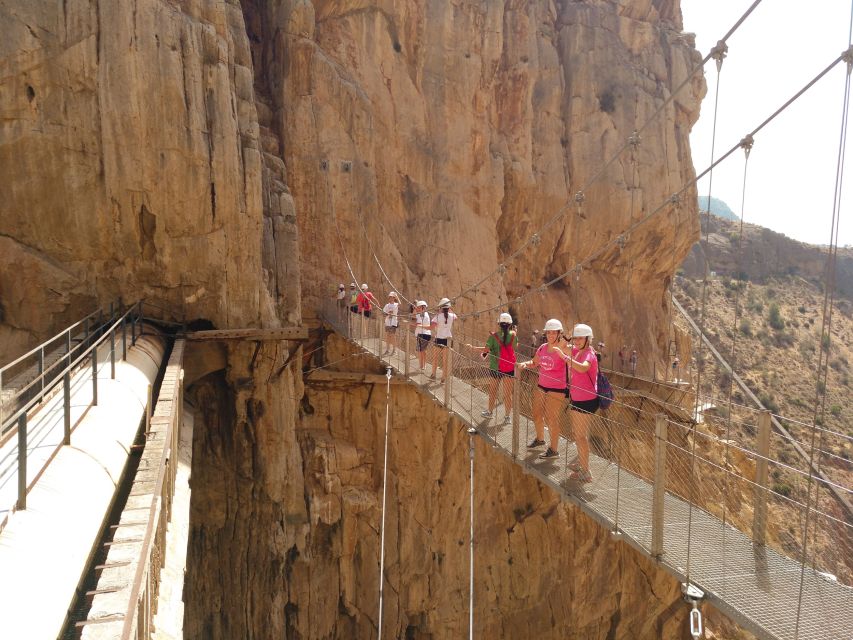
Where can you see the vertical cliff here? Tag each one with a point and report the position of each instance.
(216, 156)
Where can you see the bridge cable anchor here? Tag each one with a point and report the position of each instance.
(693, 595)
(719, 53)
(847, 57)
(746, 144)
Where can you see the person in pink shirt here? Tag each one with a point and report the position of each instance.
(583, 392)
(551, 391)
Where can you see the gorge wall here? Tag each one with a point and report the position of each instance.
(214, 156)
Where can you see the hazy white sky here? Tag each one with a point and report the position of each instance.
(791, 174)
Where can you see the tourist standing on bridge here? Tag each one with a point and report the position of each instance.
(423, 332)
(342, 301)
(366, 301)
(634, 362)
(500, 349)
(442, 324)
(391, 311)
(353, 297)
(550, 394)
(583, 393)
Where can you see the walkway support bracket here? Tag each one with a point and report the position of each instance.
(659, 487)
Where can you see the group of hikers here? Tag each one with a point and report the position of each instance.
(567, 366)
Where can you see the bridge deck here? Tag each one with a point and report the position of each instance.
(753, 584)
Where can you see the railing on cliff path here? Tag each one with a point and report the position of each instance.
(65, 364)
(719, 502)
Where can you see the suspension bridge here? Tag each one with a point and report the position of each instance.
(707, 496)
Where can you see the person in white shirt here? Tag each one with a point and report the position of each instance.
(442, 325)
(423, 332)
(390, 312)
(342, 301)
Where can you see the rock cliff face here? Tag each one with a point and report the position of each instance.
(441, 136)
(170, 149)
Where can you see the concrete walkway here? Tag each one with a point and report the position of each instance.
(45, 549)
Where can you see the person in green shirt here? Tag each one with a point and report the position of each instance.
(500, 349)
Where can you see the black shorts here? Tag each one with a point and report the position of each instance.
(497, 375)
(367, 313)
(354, 308)
(441, 342)
(423, 341)
(585, 406)
(547, 390)
(390, 328)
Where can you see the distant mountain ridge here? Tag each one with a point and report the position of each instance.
(760, 254)
(718, 208)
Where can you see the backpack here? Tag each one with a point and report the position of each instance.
(605, 391)
(506, 358)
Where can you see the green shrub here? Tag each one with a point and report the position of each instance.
(746, 328)
(835, 410)
(774, 317)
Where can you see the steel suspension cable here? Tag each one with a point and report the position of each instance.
(829, 298)
(701, 356)
(384, 494)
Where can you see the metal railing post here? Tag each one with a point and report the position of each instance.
(516, 383)
(132, 329)
(762, 450)
(86, 331)
(659, 488)
(113, 354)
(22, 461)
(2, 413)
(95, 377)
(41, 369)
(124, 338)
(361, 330)
(66, 405)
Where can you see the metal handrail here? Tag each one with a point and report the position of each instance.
(71, 366)
(34, 350)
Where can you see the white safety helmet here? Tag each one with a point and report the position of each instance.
(505, 317)
(444, 302)
(553, 325)
(392, 294)
(582, 331)
(341, 286)
(364, 287)
(352, 285)
(421, 303)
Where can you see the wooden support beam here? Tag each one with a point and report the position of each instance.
(321, 375)
(282, 333)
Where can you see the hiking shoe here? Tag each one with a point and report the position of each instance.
(581, 476)
(575, 465)
(536, 443)
(507, 419)
(485, 413)
(549, 453)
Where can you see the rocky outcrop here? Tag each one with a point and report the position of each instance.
(755, 253)
(171, 149)
(288, 546)
(441, 136)
(132, 167)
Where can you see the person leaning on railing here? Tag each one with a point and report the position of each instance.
(390, 311)
(500, 348)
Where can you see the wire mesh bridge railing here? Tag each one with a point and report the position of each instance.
(718, 501)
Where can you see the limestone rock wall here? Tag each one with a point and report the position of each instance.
(440, 136)
(131, 164)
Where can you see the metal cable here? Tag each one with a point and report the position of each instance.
(829, 297)
(384, 494)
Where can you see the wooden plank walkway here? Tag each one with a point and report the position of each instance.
(752, 584)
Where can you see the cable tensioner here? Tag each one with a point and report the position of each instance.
(693, 595)
(719, 52)
(746, 143)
